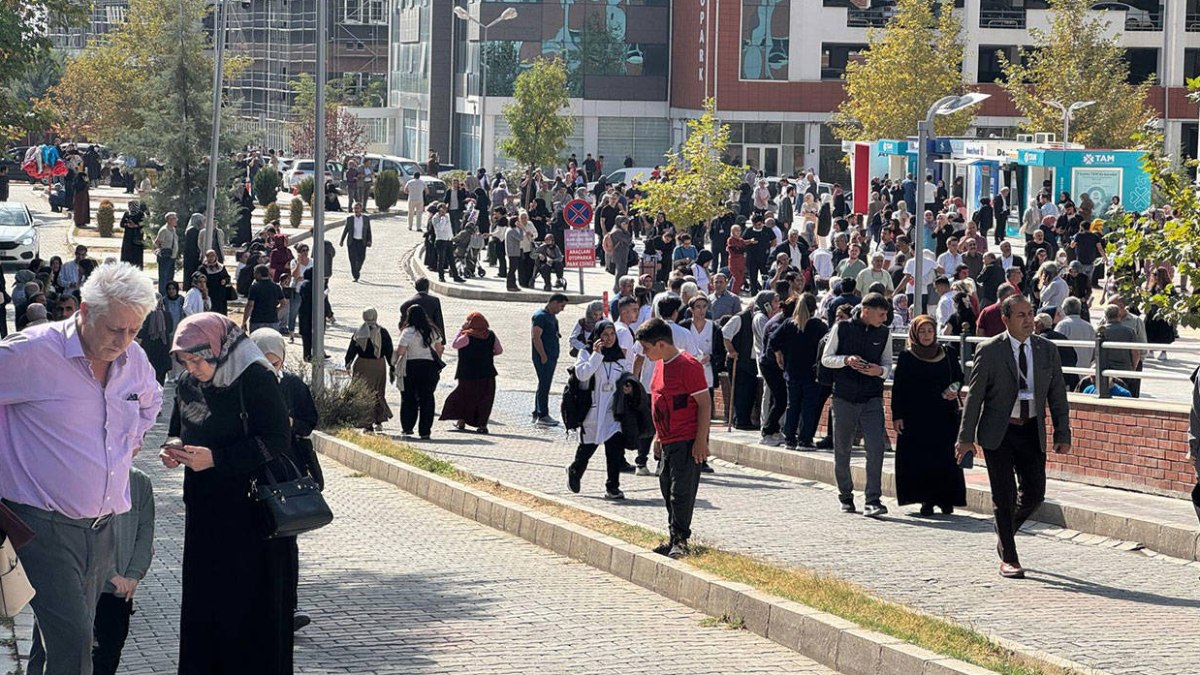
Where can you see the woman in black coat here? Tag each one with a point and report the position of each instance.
(795, 346)
(133, 241)
(238, 586)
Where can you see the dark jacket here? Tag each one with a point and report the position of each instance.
(632, 411)
(800, 348)
(855, 338)
(432, 307)
(348, 230)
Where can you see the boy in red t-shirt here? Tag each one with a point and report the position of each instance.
(680, 403)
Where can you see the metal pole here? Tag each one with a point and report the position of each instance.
(923, 127)
(210, 207)
(318, 232)
(483, 90)
(1066, 126)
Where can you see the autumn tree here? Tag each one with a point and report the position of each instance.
(344, 134)
(696, 182)
(24, 46)
(537, 122)
(907, 66)
(1078, 59)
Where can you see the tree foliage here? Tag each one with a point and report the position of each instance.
(1078, 60)
(538, 127)
(910, 64)
(387, 189)
(344, 134)
(697, 182)
(24, 46)
(266, 185)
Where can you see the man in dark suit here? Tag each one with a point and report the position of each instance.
(358, 230)
(1016, 375)
(427, 302)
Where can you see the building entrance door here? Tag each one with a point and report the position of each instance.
(764, 158)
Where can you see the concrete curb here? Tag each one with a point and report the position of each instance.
(1161, 537)
(454, 290)
(825, 638)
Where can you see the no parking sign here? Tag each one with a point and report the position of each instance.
(578, 213)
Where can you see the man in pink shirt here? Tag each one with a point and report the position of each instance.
(77, 398)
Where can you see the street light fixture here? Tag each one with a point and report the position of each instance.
(1068, 112)
(507, 15)
(947, 105)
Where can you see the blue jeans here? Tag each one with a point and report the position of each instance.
(545, 376)
(166, 272)
(803, 408)
(293, 312)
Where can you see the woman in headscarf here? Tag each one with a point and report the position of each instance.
(470, 404)
(925, 416)
(305, 297)
(81, 206)
(735, 246)
(302, 411)
(599, 368)
(368, 359)
(228, 421)
(133, 241)
(418, 354)
(219, 283)
(581, 333)
(155, 339)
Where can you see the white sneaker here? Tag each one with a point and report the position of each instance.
(642, 471)
(1162, 356)
(774, 440)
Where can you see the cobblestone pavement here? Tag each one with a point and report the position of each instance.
(397, 585)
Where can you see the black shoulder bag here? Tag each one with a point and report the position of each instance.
(289, 507)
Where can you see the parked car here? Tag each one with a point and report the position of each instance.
(1135, 17)
(305, 168)
(19, 240)
(406, 169)
(626, 175)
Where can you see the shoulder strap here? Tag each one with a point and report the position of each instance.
(246, 422)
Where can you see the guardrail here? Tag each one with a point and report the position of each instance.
(1002, 18)
(876, 17)
(1102, 377)
(1192, 22)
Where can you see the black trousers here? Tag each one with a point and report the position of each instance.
(545, 269)
(3, 321)
(445, 260)
(720, 255)
(358, 255)
(416, 401)
(755, 266)
(745, 388)
(614, 460)
(1017, 474)
(1196, 499)
(112, 627)
(678, 482)
(775, 384)
(510, 274)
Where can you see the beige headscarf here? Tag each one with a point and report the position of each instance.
(368, 332)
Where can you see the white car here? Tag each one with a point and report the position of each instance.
(624, 175)
(1135, 18)
(19, 240)
(305, 168)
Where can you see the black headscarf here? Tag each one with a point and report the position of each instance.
(611, 354)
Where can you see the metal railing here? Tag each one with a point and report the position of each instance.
(1192, 22)
(1002, 18)
(1102, 377)
(876, 17)
(1143, 21)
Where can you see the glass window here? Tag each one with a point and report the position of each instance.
(765, 39)
(763, 132)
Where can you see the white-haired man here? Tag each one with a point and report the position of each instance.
(67, 480)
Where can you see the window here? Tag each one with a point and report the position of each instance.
(363, 11)
(1142, 64)
(835, 57)
(990, 69)
(765, 39)
(1191, 63)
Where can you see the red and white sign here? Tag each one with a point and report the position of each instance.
(579, 248)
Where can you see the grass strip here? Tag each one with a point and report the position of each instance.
(828, 594)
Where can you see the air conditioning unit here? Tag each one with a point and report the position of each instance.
(1024, 138)
(1044, 137)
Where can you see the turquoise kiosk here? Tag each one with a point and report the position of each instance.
(1102, 174)
(893, 158)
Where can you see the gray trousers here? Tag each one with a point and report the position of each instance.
(67, 564)
(847, 418)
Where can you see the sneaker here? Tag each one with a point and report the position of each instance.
(300, 619)
(572, 481)
(642, 471)
(825, 443)
(848, 507)
(1162, 356)
(547, 421)
(614, 495)
(805, 446)
(1008, 571)
(628, 468)
(663, 549)
(791, 445)
(773, 440)
(705, 468)
(677, 551)
(874, 510)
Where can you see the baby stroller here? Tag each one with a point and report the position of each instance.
(467, 245)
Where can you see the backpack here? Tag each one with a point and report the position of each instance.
(607, 243)
(576, 401)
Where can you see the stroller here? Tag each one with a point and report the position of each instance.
(467, 246)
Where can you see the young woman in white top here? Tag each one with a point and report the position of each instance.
(419, 350)
(600, 369)
(295, 277)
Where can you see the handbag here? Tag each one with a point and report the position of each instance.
(15, 589)
(289, 507)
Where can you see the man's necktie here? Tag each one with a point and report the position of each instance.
(1023, 378)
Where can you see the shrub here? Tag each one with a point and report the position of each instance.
(105, 218)
(272, 213)
(306, 188)
(266, 185)
(296, 212)
(347, 404)
(448, 176)
(387, 190)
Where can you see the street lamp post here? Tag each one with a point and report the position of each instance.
(221, 24)
(318, 205)
(947, 105)
(507, 15)
(1068, 112)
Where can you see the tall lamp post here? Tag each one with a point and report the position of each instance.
(507, 15)
(318, 204)
(1068, 111)
(220, 24)
(947, 105)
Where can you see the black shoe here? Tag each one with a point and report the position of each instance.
(425, 437)
(705, 468)
(300, 619)
(947, 510)
(628, 468)
(927, 510)
(874, 510)
(663, 549)
(458, 279)
(848, 507)
(824, 444)
(572, 481)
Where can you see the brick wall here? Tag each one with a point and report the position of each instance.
(1129, 444)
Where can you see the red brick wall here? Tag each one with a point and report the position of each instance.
(1135, 445)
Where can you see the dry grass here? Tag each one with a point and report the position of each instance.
(829, 594)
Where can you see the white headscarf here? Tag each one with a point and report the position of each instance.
(368, 332)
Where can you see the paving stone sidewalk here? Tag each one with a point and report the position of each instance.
(397, 585)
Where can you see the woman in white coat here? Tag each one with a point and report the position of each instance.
(600, 369)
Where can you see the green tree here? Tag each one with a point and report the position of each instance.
(538, 127)
(697, 182)
(25, 46)
(1078, 60)
(387, 189)
(891, 88)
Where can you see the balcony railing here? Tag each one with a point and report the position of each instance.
(1002, 18)
(1193, 23)
(876, 17)
(1143, 21)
